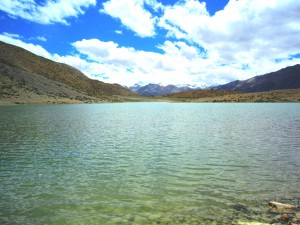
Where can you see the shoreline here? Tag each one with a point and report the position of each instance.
(276, 96)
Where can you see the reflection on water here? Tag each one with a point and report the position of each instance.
(147, 163)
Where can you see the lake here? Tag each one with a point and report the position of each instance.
(147, 163)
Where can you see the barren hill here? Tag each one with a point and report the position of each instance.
(24, 73)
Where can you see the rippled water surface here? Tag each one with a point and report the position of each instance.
(147, 163)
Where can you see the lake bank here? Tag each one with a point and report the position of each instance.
(290, 95)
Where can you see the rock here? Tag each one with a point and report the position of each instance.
(280, 206)
(285, 216)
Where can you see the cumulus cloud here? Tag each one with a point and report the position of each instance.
(179, 63)
(133, 15)
(183, 18)
(245, 30)
(244, 39)
(48, 13)
(127, 65)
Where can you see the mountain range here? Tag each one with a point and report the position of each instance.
(158, 89)
(287, 78)
(28, 78)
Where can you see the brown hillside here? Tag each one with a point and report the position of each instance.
(62, 73)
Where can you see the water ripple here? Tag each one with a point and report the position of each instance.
(146, 163)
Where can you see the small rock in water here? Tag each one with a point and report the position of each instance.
(285, 216)
(280, 206)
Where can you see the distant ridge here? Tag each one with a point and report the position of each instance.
(157, 89)
(287, 78)
(19, 67)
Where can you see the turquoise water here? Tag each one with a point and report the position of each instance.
(147, 163)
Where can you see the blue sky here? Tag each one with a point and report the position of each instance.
(158, 41)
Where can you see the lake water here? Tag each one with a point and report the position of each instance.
(147, 163)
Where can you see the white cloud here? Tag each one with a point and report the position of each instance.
(41, 38)
(118, 32)
(247, 32)
(128, 65)
(183, 18)
(133, 15)
(180, 49)
(49, 13)
(179, 63)
(12, 35)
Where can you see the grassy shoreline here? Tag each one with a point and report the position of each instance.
(289, 95)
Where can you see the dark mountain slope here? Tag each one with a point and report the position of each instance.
(287, 78)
